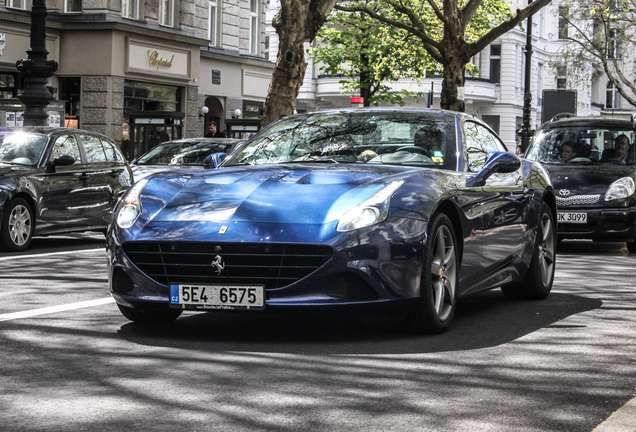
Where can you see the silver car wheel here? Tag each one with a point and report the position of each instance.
(20, 225)
(547, 250)
(443, 272)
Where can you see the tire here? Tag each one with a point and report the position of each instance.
(150, 316)
(17, 226)
(537, 283)
(438, 285)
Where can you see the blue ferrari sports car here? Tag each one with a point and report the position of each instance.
(402, 209)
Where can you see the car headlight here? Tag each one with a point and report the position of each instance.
(621, 188)
(372, 211)
(131, 205)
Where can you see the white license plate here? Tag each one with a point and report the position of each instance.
(217, 296)
(567, 217)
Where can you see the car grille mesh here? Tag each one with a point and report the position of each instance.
(271, 265)
(577, 200)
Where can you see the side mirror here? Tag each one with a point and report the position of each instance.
(214, 160)
(497, 162)
(64, 160)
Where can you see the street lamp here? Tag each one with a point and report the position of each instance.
(526, 132)
(37, 70)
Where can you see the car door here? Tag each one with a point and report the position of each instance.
(65, 194)
(503, 204)
(102, 180)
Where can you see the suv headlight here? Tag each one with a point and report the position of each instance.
(620, 189)
(372, 211)
(130, 208)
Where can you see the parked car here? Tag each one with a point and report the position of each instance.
(591, 164)
(391, 208)
(188, 153)
(57, 180)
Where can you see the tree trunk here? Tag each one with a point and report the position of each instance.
(297, 22)
(453, 79)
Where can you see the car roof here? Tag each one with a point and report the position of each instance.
(587, 121)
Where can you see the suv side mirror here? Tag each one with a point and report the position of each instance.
(497, 162)
(60, 161)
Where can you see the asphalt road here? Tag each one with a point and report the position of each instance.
(561, 364)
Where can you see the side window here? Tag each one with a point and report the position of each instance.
(112, 153)
(480, 142)
(66, 145)
(93, 148)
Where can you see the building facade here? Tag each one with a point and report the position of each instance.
(142, 72)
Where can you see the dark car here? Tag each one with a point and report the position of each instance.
(57, 180)
(188, 153)
(591, 164)
(400, 209)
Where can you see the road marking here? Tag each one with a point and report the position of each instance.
(13, 257)
(55, 309)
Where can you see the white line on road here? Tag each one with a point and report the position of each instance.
(13, 257)
(55, 309)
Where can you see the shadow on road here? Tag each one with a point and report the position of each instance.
(481, 321)
(62, 243)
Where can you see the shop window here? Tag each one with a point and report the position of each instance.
(130, 9)
(213, 21)
(141, 96)
(72, 6)
(495, 63)
(165, 13)
(70, 91)
(253, 26)
(8, 86)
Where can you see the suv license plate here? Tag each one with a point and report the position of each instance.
(184, 296)
(566, 217)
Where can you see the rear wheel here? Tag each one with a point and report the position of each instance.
(438, 285)
(150, 316)
(17, 226)
(538, 281)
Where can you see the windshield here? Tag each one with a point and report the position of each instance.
(183, 153)
(583, 145)
(21, 148)
(370, 137)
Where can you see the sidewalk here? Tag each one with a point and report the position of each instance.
(623, 420)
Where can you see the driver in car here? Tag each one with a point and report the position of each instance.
(568, 152)
(429, 141)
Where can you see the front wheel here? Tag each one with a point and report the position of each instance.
(438, 286)
(17, 226)
(538, 281)
(150, 316)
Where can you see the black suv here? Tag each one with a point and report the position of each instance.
(57, 180)
(591, 164)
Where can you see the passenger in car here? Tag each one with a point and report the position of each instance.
(568, 152)
(622, 151)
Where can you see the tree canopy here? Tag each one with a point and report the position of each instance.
(450, 31)
(600, 39)
(370, 55)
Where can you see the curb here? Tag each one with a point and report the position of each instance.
(623, 420)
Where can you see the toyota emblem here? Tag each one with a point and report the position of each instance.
(564, 192)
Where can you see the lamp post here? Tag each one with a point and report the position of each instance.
(526, 132)
(36, 69)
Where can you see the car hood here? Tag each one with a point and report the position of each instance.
(586, 179)
(280, 194)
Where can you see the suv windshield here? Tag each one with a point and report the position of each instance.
(583, 145)
(373, 137)
(21, 148)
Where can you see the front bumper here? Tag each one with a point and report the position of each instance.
(604, 224)
(374, 266)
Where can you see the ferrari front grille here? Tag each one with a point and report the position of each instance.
(271, 265)
(577, 200)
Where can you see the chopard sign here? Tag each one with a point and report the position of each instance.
(155, 61)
